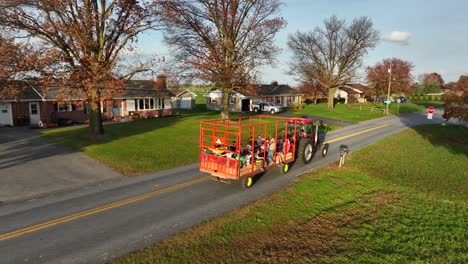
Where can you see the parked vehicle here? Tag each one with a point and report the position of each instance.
(402, 99)
(238, 149)
(270, 107)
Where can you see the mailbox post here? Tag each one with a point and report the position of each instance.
(430, 112)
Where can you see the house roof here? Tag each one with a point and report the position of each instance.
(142, 88)
(26, 91)
(275, 89)
(263, 90)
(180, 92)
(18, 91)
(350, 90)
(219, 93)
(358, 86)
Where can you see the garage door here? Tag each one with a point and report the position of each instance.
(186, 102)
(6, 117)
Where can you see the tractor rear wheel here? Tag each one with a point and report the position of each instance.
(305, 150)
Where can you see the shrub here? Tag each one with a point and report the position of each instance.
(352, 100)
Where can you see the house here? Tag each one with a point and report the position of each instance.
(238, 102)
(20, 107)
(350, 93)
(32, 104)
(183, 99)
(281, 94)
(241, 101)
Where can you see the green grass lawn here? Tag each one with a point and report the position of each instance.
(401, 200)
(352, 113)
(145, 145)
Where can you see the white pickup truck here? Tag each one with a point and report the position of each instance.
(266, 107)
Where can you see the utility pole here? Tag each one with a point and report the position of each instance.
(389, 85)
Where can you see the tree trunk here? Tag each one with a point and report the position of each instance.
(95, 122)
(331, 95)
(225, 103)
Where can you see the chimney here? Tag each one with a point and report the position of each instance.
(274, 83)
(160, 82)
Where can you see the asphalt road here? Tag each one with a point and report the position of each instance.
(99, 223)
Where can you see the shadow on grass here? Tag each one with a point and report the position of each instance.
(452, 137)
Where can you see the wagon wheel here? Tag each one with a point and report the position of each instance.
(247, 182)
(305, 150)
(272, 111)
(285, 168)
(324, 150)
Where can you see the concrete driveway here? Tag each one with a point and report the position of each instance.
(31, 166)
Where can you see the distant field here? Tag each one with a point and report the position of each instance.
(402, 200)
(356, 112)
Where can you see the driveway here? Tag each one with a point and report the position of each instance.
(31, 166)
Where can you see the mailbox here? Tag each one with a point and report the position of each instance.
(430, 112)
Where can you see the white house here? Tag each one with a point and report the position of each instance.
(184, 99)
(237, 102)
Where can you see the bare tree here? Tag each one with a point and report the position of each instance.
(331, 55)
(88, 36)
(222, 41)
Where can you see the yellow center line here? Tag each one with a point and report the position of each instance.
(69, 218)
(72, 217)
(355, 134)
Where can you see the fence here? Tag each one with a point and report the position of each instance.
(371, 109)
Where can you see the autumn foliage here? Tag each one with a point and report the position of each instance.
(401, 78)
(312, 90)
(86, 40)
(433, 79)
(456, 101)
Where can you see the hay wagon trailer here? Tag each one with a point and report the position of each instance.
(236, 149)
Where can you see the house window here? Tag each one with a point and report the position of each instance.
(160, 103)
(144, 104)
(232, 100)
(65, 107)
(214, 100)
(34, 109)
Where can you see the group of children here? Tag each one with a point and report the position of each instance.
(262, 151)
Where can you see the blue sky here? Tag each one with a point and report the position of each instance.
(432, 34)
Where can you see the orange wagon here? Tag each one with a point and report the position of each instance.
(240, 148)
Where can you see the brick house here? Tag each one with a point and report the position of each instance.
(31, 105)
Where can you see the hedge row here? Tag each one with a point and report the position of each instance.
(426, 98)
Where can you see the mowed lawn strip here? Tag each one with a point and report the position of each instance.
(376, 209)
(352, 113)
(142, 146)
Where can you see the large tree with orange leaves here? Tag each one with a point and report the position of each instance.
(222, 41)
(88, 36)
(378, 76)
(456, 100)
